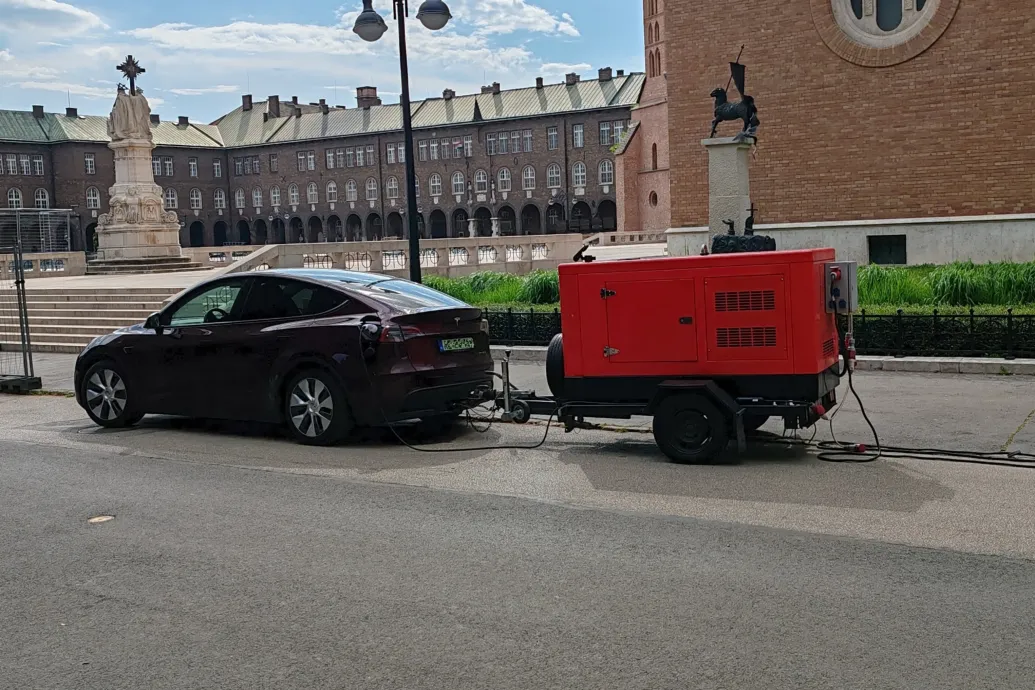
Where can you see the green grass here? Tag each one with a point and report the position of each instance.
(951, 289)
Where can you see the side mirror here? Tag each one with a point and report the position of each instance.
(154, 322)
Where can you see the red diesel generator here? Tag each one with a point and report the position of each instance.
(710, 346)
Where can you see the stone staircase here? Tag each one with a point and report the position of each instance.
(170, 264)
(67, 319)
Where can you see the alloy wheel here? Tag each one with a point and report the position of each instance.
(106, 394)
(312, 407)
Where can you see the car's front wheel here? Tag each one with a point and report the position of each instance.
(316, 410)
(107, 397)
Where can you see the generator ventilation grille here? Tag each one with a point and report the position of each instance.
(828, 348)
(758, 336)
(748, 300)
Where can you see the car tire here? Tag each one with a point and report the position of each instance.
(690, 429)
(316, 409)
(108, 397)
(555, 366)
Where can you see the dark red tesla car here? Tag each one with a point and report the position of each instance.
(322, 351)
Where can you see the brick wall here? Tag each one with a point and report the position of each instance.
(945, 133)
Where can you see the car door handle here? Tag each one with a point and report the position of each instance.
(686, 320)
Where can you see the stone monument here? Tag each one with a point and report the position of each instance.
(137, 234)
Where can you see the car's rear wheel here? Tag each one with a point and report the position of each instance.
(107, 397)
(316, 410)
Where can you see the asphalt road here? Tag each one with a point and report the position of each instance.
(238, 560)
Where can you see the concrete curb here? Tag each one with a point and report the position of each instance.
(926, 365)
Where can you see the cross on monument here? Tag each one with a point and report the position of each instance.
(132, 69)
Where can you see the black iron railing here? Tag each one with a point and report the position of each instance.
(1006, 335)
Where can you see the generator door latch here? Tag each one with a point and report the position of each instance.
(610, 352)
(686, 320)
(605, 293)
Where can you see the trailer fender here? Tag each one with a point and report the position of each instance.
(713, 392)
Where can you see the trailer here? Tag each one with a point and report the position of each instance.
(709, 346)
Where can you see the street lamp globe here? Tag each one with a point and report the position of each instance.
(433, 14)
(369, 25)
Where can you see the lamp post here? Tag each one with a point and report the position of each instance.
(434, 15)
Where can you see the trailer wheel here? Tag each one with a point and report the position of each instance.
(555, 366)
(690, 429)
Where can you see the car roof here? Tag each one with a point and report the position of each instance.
(333, 275)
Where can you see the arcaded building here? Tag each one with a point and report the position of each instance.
(896, 130)
(531, 160)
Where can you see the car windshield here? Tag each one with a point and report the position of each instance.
(406, 296)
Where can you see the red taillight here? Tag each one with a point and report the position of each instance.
(399, 334)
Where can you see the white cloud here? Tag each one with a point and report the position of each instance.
(207, 90)
(548, 69)
(5, 56)
(106, 52)
(508, 16)
(77, 90)
(46, 17)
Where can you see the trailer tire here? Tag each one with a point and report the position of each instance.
(690, 429)
(555, 366)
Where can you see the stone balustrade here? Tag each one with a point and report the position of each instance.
(451, 257)
(644, 237)
(51, 264)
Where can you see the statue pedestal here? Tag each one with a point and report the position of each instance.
(137, 227)
(729, 192)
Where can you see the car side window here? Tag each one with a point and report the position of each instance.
(218, 304)
(277, 298)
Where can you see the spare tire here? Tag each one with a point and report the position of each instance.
(555, 366)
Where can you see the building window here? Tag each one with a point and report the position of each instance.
(433, 145)
(528, 177)
(553, 176)
(883, 24)
(329, 158)
(167, 163)
(14, 198)
(301, 161)
(351, 191)
(390, 151)
(527, 134)
(370, 155)
(93, 198)
(350, 157)
(217, 168)
(371, 189)
(435, 185)
(490, 144)
(422, 150)
(239, 199)
(312, 194)
(481, 182)
(401, 152)
(192, 167)
(361, 159)
(446, 153)
(578, 174)
(26, 165)
(468, 146)
(653, 156)
(458, 147)
(37, 166)
(618, 127)
(458, 183)
(275, 196)
(219, 199)
(257, 197)
(887, 249)
(91, 163)
(171, 201)
(238, 167)
(339, 157)
(274, 163)
(578, 136)
(195, 199)
(503, 143)
(42, 198)
(293, 195)
(653, 199)
(12, 164)
(310, 159)
(156, 166)
(392, 188)
(503, 180)
(606, 172)
(332, 192)
(605, 134)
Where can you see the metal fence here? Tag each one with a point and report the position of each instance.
(17, 374)
(1006, 335)
(37, 230)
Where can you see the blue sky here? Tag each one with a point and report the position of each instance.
(202, 55)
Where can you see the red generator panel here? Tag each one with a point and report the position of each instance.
(724, 316)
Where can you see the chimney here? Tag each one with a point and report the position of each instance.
(571, 78)
(539, 82)
(448, 94)
(298, 111)
(156, 119)
(182, 121)
(246, 102)
(366, 96)
(324, 108)
(621, 73)
(72, 112)
(495, 87)
(37, 112)
(341, 107)
(486, 89)
(294, 99)
(604, 74)
(273, 106)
